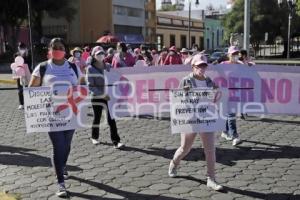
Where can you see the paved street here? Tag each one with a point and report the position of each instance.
(265, 166)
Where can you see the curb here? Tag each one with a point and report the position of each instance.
(11, 82)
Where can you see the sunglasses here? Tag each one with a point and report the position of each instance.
(201, 66)
(100, 53)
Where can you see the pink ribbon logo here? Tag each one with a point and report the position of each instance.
(73, 102)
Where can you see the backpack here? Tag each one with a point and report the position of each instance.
(43, 68)
(189, 81)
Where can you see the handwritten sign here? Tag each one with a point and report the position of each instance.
(198, 111)
(48, 109)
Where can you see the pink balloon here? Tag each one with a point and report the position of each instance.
(20, 71)
(19, 60)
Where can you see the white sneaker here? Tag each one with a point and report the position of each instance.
(213, 185)
(226, 136)
(62, 191)
(94, 141)
(236, 141)
(172, 169)
(119, 145)
(21, 107)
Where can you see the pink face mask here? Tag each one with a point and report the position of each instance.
(57, 54)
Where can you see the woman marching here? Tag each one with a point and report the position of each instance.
(197, 79)
(58, 69)
(96, 83)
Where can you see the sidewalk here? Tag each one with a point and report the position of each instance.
(5, 74)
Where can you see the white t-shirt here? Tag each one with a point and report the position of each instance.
(201, 84)
(58, 74)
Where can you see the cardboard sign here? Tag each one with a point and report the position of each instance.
(55, 109)
(195, 111)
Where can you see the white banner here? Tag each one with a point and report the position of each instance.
(48, 109)
(261, 89)
(196, 111)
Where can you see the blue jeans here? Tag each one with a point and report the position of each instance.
(61, 142)
(231, 126)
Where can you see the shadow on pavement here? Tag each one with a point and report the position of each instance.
(228, 156)
(109, 189)
(22, 157)
(269, 120)
(249, 118)
(257, 195)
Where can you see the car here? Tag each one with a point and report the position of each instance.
(216, 56)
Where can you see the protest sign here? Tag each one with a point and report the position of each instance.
(196, 111)
(48, 109)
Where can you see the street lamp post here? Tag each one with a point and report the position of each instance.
(189, 26)
(247, 25)
(291, 6)
(30, 33)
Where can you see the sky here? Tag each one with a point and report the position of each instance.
(203, 3)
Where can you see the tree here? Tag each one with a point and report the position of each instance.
(55, 9)
(14, 13)
(266, 16)
(169, 8)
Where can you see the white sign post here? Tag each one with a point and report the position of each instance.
(196, 111)
(48, 109)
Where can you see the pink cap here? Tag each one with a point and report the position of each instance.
(199, 59)
(172, 48)
(96, 50)
(233, 49)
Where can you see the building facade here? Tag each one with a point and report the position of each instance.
(173, 30)
(86, 27)
(214, 33)
(132, 20)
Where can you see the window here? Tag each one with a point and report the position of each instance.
(183, 41)
(218, 38)
(160, 42)
(212, 40)
(126, 11)
(128, 29)
(120, 10)
(133, 12)
(172, 40)
(207, 43)
(201, 43)
(193, 40)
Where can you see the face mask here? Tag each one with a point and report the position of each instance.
(100, 57)
(199, 72)
(235, 58)
(57, 54)
(77, 54)
(22, 51)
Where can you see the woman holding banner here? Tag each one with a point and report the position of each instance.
(197, 79)
(58, 69)
(96, 82)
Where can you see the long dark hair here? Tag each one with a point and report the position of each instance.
(55, 40)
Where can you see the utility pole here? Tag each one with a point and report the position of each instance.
(247, 26)
(30, 33)
(189, 28)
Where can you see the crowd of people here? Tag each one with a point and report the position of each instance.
(87, 66)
